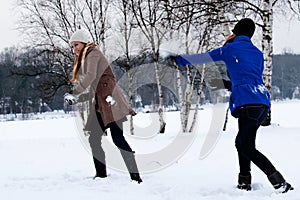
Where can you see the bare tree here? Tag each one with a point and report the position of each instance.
(125, 27)
(51, 23)
(150, 16)
(199, 93)
(198, 20)
(95, 19)
(48, 70)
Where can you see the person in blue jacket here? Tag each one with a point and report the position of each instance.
(249, 100)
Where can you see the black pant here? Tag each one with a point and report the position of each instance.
(250, 118)
(97, 130)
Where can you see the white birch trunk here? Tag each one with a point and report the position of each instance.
(199, 92)
(180, 96)
(267, 43)
(161, 100)
(130, 102)
(223, 20)
(267, 48)
(187, 100)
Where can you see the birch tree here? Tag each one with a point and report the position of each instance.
(196, 19)
(150, 17)
(267, 47)
(125, 27)
(199, 93)
(94, 15)
(184, 10)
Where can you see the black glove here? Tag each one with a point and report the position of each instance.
(178, 60)
(219, 84)
(171, 59)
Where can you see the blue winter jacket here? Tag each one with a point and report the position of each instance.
(245, 64)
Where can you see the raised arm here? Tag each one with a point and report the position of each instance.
(194, 59)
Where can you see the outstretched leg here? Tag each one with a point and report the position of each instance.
(130, 162)
(119, 140)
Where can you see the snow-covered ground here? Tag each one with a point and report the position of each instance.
(47, 159)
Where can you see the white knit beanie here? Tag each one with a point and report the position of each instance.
(80, 35)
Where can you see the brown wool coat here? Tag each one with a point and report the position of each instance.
(96, 79)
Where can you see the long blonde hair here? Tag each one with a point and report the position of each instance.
(79, 60)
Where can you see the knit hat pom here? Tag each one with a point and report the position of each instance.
(80, 36)
(245, 27)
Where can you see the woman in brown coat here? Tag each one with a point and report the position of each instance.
(95, 83)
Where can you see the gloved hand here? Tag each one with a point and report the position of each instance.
(70, 99)
(179, 60)
(171, 59)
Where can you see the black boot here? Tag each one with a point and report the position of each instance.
(136, 177)
(100, 169)
(244, 182)
(130, 163)
(279, 182)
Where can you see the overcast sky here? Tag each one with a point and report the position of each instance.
(8, 35)
(286, 33)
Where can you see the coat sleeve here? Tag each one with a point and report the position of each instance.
(194, 59)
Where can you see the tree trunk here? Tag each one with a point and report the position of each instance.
(187, 100)
(267, 48)
(198, 99)
(161, 100)
(180, 97)
(130, 101)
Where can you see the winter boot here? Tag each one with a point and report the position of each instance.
(244, 182)
(100, 169)
(279, 183)
(130, 163)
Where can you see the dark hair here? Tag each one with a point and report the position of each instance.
(245, 27)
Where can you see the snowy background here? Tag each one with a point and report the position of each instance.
(45, 159)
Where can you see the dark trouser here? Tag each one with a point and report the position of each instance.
(250, 118)
(97, 130)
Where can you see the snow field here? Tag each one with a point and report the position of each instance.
(46, 159)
